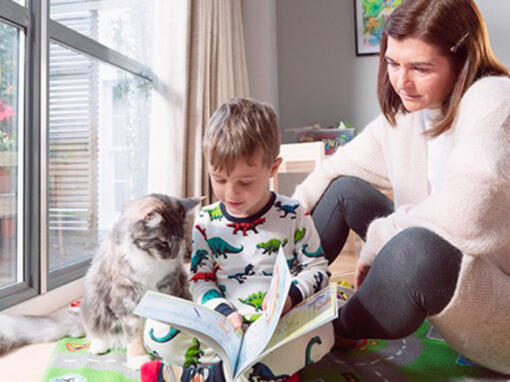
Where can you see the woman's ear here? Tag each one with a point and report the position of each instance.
(275, 166)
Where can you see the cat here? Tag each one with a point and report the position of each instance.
(141, 253)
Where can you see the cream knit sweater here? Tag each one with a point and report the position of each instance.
(470, 207)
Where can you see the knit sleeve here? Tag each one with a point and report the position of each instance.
(470, 207)
(362, 157)
(203, 286)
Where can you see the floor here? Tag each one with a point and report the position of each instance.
(28, 363)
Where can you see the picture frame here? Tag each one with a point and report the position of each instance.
(369, 19)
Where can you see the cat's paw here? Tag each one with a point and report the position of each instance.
(136, 362)
(98, 347)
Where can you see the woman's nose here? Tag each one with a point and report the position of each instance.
(404, 79)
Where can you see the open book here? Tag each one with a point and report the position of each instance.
(240, 350)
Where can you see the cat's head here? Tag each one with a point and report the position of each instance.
(157, 224)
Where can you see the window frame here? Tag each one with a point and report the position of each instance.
(40, 30)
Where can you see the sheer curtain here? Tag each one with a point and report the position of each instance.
(199, 63)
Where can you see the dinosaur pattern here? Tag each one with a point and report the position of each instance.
(294, 265)
(240, 277)
(198, 259)
(214, 213)
(193, 354)
(245, 226)
(255, 300)
(218, 246)
(262, 373)
(308, 351)
(319, 278)
(272, 246)
(172, 332)
(209, 295)
(319, 252)
(238, 255)
(299, 234)
(287, 209)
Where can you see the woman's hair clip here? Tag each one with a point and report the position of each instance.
(454, 48)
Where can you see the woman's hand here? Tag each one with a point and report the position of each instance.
(360, 273)
(236, 320)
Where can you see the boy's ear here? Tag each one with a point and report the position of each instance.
(275, 166)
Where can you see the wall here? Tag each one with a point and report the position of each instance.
(320, 78)
(259, 19)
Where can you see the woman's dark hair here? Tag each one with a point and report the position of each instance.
(458, 30)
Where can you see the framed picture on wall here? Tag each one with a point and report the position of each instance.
(370, 16)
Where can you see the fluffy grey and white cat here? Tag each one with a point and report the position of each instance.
(141, 253)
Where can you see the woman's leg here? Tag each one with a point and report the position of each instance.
(414, 276)
(348, 203)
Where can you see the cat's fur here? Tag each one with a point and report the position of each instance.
(141, 253)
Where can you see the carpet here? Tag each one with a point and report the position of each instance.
(72, 362)
(422, 357)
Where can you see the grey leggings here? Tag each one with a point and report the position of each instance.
(413, 276)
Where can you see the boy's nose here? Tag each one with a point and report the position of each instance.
(230, 191)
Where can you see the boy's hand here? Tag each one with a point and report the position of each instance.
(286, 307)
(236, 320)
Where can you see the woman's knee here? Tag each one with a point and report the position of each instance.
(421, 257)
(347, 187)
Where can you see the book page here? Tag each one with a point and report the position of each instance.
(193, 318)
(311, 313)
(258, 334)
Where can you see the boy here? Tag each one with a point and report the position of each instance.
(236, 240)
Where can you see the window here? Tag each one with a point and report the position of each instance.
(74, 129)
(11, 118)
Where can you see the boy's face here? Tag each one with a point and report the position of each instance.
(244, 191)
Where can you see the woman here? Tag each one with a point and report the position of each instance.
(442, 143)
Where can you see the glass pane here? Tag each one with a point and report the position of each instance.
(10, 49)
(125, 26)
(98, 139)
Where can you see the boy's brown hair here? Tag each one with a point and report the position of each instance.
(239, 129)
(457, 28)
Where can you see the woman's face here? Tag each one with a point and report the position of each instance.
(420, 75)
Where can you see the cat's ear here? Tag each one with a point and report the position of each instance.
(152, 219)
(190, 203)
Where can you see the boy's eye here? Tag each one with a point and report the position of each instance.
(220, 181)
(245, 184)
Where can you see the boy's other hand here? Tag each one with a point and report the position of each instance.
(236, 320)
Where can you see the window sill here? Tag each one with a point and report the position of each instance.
(51, 301)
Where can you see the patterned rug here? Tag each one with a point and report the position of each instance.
(421, 357)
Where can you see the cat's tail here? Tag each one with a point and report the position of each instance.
(20, 330)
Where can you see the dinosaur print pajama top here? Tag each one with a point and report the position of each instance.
(232, 264)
